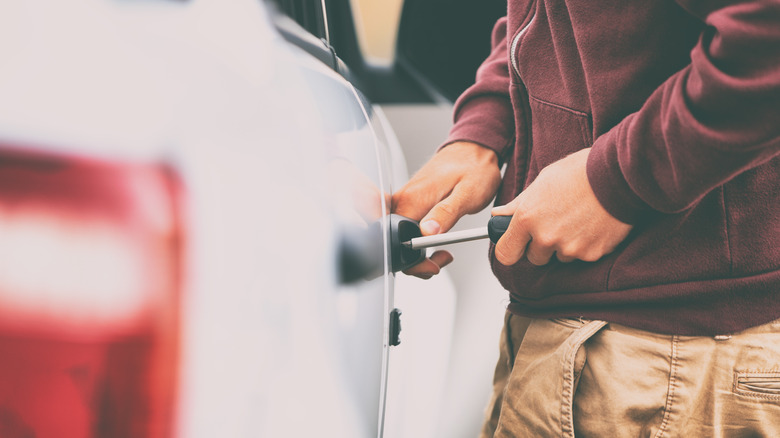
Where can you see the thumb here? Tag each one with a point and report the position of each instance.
(443, 216)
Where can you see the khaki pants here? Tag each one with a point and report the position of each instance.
(566, 377)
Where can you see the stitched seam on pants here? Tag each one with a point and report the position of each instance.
(670, 394)
(567, 402)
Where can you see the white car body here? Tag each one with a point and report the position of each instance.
(278, 156)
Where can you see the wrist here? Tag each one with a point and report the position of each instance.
(473, 153)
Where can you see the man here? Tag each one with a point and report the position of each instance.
(641, 142)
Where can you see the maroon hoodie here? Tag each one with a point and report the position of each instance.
(680, 102)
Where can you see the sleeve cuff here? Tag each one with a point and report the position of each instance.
(487, 121)
(608, 182)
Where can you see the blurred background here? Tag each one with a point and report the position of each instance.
(178, 183)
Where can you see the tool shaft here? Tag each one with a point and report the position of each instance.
(447, 238)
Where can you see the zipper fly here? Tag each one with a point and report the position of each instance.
(516, 41)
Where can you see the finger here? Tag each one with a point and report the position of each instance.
(506, 209)
(564, 259)
(430, 266)
(419, 195)
(441, 258)
(539, 254)
(429, 227)
(512, 245)
(425, 269)
(410, 205)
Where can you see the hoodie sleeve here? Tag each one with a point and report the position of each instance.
(713, 120)
(483, 113)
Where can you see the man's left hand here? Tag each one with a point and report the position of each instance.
(559, 214)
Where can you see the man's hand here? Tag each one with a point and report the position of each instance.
(460, 179)
(559, 214)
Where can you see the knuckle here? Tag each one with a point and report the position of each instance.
(591, 256)
(568, 250)
(503, 256)
(400, 199)
(537, 259)
(521, 219)
(447, 208)
(545, 240)
(468, 200)
(521, 214)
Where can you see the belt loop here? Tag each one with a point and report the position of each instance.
(574, 342)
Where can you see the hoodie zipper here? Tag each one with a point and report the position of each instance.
(516, 41)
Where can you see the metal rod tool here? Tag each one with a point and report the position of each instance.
(494, 230)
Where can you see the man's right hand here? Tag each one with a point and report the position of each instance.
(462, 178)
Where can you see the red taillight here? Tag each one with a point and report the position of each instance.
(90, 261)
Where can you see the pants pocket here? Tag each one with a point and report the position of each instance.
(538, 396)
(758, 384)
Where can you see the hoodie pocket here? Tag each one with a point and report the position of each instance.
(556, 131)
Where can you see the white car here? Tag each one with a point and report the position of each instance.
(195, 236)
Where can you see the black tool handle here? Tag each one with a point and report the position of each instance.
(497, 226)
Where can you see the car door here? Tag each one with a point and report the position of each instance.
(233, 178)
(360, 175)
(317, 269)
(361, 304)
